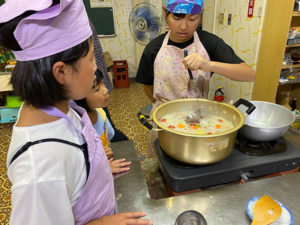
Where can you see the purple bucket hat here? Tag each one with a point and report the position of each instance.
(48, 31)
(184, 6)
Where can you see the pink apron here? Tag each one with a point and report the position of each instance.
(171, 78)
(98, 197)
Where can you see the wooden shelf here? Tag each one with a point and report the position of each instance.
(278, 19)
(289, 82)
(291, 66)
(296, 13)
(293, 46)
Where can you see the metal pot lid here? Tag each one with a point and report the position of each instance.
(190, 217)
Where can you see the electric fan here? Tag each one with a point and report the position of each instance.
(144, 23)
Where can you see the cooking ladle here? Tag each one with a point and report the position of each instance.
(185, 52)
(193, 117)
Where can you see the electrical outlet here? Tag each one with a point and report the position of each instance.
(259, 13)
(221, 18)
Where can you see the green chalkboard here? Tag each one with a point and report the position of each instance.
(102, 19)
(1, 2)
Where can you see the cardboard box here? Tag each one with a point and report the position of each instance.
(110, 75)
(108, 60)
(5, 82)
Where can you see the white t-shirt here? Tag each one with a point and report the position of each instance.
(48, 178)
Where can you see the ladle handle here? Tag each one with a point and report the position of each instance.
(185, 52)
(246, 103)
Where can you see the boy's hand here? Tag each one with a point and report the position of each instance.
(119, 165)
(108, 152)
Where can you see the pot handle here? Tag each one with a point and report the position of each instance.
(246, 103)
(144, 121)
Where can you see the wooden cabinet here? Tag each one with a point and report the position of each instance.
(291, 87)
(279, 17)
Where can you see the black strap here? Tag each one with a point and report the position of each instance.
(83, 148)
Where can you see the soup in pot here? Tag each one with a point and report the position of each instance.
(207, 124)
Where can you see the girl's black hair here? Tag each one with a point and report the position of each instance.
(99, 77)
(33, 81)
(181, 15)
(82, 102)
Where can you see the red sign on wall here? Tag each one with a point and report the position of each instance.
(251, 8)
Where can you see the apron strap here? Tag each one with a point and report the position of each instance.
(53, 111)
(83, 148)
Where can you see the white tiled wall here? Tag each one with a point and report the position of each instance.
(123, 46)
(243, 35)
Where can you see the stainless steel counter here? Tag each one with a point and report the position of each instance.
(223, 205)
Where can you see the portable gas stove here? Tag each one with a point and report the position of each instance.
(266, 159)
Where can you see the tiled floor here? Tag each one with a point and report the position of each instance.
(124, 106)
(5, 207)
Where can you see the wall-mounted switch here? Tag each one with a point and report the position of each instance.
(229, 19)
(221, 18)
(260, 11)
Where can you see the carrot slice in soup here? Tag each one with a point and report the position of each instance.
(180, 125)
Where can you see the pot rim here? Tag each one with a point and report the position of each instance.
(277, 105)
(234, 129)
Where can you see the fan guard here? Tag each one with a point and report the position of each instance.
(144, 23)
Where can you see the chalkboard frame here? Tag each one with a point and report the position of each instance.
(102, 19)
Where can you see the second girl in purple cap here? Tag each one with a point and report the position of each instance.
(56, 163)
(163, 65)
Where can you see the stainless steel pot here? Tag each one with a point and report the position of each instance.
(198, 149)
(268, 122)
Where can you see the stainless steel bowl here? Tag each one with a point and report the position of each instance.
(268, 122)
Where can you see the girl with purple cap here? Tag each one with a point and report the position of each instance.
(56, 163)
(165, 60)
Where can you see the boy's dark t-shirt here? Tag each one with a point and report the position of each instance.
(216, 48)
